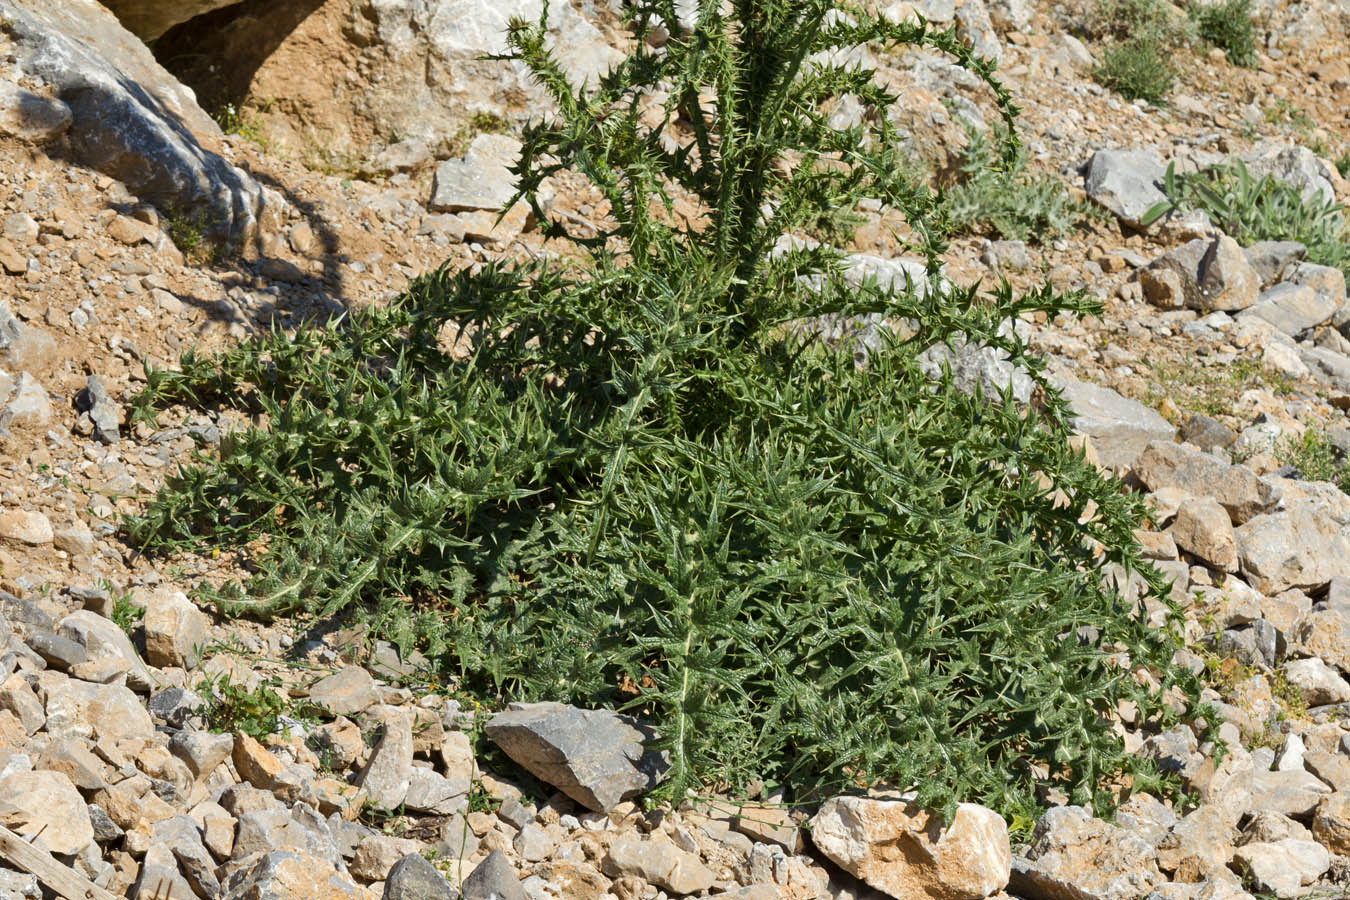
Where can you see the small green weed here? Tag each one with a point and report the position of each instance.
(236, 121)
(478, 123)
(1140, 39)
(126, 614)
(1005, 201)
(1343, 164)
(229, 707)
(189, 235)
(1137, 69)
(1259, 209)
(1315, 458)
(1228, 25)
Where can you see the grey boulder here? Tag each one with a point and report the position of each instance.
(596, 757)
(1125, 182)
(131, 119)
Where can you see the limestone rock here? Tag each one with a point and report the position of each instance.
(175, 629)
(481, 180)
(413, 878)
(661, 864)
(377, 854)
(148, 19)
(1202, 527)
(905, 852)
(1125, 182)
(346, 692)
(1283, 867)
(1077, 857)
(290, 875)
(386, 776)
(1331, 823)
(202, 751)
(493, 879)
(1293, 793)
(1120, 428)
(84, 709)
(29, 116)
(25, 527)
(1317, 682)
(1302, 546)
(596, 757)
(1272, 259)
(46, 802)
(1293, 308)
(1237, 488)
(131, 120)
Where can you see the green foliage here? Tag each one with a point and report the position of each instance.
(638, 479)
(1005, 201)
(236, 121)
(126, 614)
(1140, 39)
(229, 707)
(1251, 209)
(1228, 25)
(1316, 458)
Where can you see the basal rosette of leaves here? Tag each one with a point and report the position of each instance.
(640, 483)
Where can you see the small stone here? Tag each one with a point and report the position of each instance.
(493, 879)
(174, 706)
(26, 527)
(1202, 528)
(102, 410)
(533, 843)
(769, 825)
(377, 855)
(431, 792)
(1272, 259)
(201, 750)
(61, 653)
(413, 878)
(661, 864)
(481, 180)
(255, 765)
(347, 692)
(1292, 308)
(1125, 182)
(387, 775)
(1332, 768)
(128, 231)
(175, 629)
(1206, 433)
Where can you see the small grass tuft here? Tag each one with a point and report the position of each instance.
(1316, 458)
(1228, 25)
(1140, 40)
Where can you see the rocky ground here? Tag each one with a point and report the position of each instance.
(134, 757)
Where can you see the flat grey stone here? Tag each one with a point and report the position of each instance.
(596, 757)
(1120, 428)
(1125, 182)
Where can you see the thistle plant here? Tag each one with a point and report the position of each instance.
(639, 482)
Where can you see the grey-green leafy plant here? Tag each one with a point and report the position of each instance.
(636, 480)
(1251, 209)
(1229, 26)
(1006, 202)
